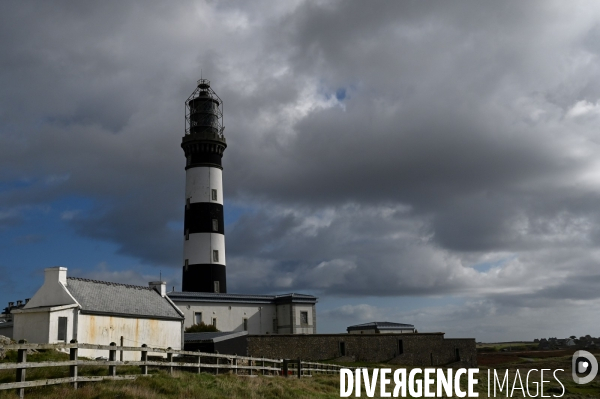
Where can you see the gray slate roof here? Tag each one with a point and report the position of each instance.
(381, 325)
(102, 297)
(177, 296)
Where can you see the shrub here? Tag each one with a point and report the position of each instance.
(201, 328)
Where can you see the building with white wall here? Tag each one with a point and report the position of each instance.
(256, 314)
(99, 312)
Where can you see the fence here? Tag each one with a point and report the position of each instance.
(186, 360)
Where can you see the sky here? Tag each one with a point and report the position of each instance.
(423, 162)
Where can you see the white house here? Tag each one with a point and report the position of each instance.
(257, 314)
(99, 312)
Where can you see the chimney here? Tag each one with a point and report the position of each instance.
(19, 303)
(27, 300)
(159, 286)
(11, 304)
(57, 273)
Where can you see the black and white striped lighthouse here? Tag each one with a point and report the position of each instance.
(204, 144)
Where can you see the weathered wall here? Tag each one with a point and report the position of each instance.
(418, 349)
(102, 330)
(6, 329)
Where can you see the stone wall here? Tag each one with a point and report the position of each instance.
(426, 349)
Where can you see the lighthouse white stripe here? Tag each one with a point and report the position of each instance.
(198, 249)
(200, 181)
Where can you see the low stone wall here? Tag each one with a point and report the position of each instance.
(420, 349)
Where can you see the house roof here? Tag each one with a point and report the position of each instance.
(102, 297)
(240, 298)
(212, 336)
(381, 325)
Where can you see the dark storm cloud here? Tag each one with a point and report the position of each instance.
(460, 160)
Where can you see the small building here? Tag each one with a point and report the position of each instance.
(381, 327)
(99, 312)
(256, 314)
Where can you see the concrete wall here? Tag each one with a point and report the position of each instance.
(418, 349)
(70, 314)
(102, 330)
(230, 317)
(284, 319)
(32, 326)
(53, 291)
(6, 329)
(299, 327)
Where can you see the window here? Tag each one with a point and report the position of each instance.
(214, 321)
(400, 347)
(303, 317)
(214, 194)
(215, 224)
(186, 264)
(215, 255)
(216, 287)
(342, 348)
(187, 234)
(62, 329)
(197, 317)
(245, 322)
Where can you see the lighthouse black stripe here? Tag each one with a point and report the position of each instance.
(201, 278)
(199, 218)
(204, 158)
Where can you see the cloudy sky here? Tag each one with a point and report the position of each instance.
(434, 163)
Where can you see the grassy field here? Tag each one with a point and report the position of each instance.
(188, 385)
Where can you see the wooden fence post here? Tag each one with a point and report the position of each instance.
(144, 359)
(263, 366)
(121, 352)
(285, 367)
(199, 362)
(170, 360)
(217, 369)
(21, 358)
(299, 368)
(73, 368)
(112, 357)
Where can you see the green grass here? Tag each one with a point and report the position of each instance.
(190, 385)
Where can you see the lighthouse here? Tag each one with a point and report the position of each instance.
(204, 233)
